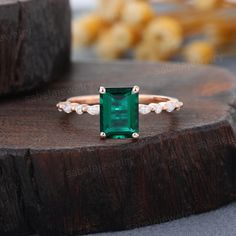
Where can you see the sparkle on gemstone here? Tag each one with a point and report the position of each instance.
(119, 113)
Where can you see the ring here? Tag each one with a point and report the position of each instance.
(119, 109)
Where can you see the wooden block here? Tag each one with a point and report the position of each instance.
(58, 178)
(34, 43)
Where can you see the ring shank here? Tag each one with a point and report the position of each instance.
(143, 99)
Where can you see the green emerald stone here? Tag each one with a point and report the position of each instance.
(119, 113)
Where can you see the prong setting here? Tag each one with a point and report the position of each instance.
(135, 135)
(102, 90)
(135, 89)
(103, 135)
(114, 99)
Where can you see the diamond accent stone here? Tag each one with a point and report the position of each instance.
(144, 109)
(67, 107)
(170, 106)
(93, 110)
(79, 110)
(178, 105)
(157, 107)
(59, 107)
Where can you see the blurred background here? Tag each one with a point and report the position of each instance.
(197, 31)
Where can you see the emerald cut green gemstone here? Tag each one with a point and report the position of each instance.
(119, 113)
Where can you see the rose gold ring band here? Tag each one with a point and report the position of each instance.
(147, 103)
(143, 99)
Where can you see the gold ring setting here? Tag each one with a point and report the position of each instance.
(119, 108)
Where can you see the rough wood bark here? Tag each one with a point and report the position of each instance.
(34, 43)
(58, 178)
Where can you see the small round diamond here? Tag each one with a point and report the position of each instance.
(144, 109)
(179, 105)
(59, 107)
(157, 107)
(79, 109)
(67, 107)
(170, 106)
(93, 110)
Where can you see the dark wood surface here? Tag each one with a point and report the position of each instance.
(34, 41)
(58, 178)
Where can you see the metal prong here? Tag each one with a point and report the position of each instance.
(102, 90)
(135, 89)
(102, 135)
(135, 135)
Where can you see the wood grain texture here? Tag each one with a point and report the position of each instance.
(58, 178)
(34, 43)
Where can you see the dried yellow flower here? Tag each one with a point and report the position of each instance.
(106, 48)
(110, 10)
(124, 37)
(145, 52)
(199, 52)
(137, 13)
(220, 33)
(85, 30)
(165, 34)
(207, 4)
